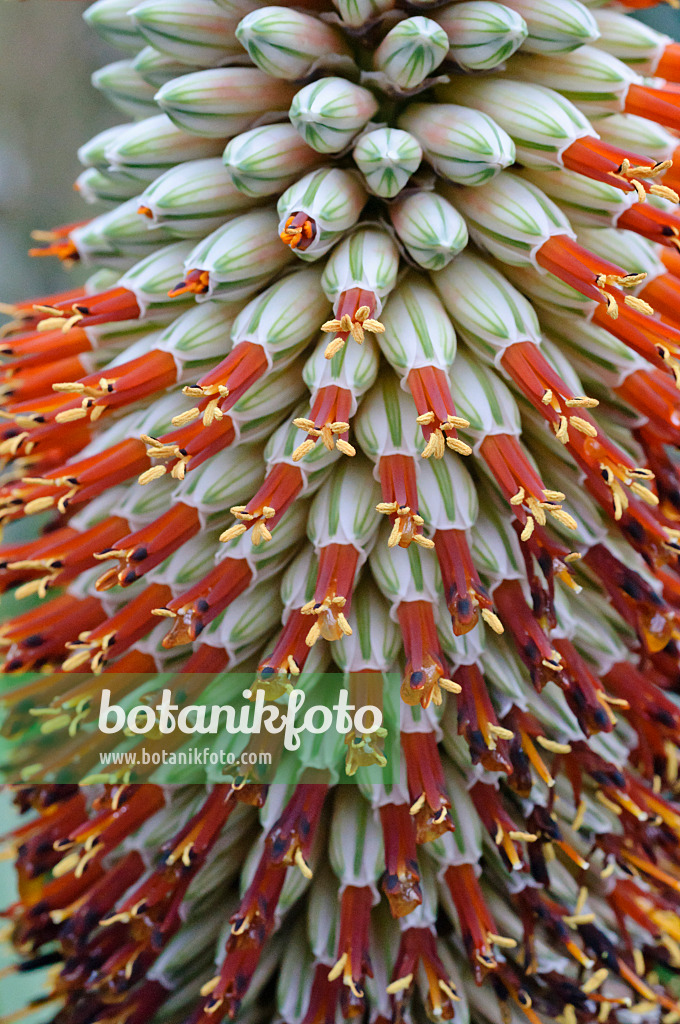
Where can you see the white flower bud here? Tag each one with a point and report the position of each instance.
(240, 256)
(97, 186)
(511, 218)
(356, 13)
(111, 20)
(367, 260)
(259, 411)
(592, 79)
(405, 574)
(386, 422)
(447, 495)
(483, 399)
(463, 145)
(330, 200)
(343, 511)
(152, 278)
(199, 34)
(630, 40)
(375, 640)
(488, 312)
(595, 354)
(354, 368)
(418, 332)
(125, 88)
(287, 43)
(329, 113)
(387, 157)
(411, 51)
(313, 467)
(220, 102)
(637, 254)
(201, 333)
(284, 317)
(145, 149)
(93, 152)
(429, 227)
(266, 160)
(637, 134)
(245, 624)
(482, 34)
(585, 200)
(541, 123)
(192, 199)
(118, 237)
(553, 28)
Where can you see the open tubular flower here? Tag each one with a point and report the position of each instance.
(375, 377)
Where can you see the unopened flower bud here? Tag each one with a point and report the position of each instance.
(368, 261)
(592, 79)
(198, 34)
(483, 399)
(356, 13)
(510, 218)
(482, 34)
(418, 332)
(430, 228)
(587, 201)
(93, 152)
(637, 134)
(220, 102)
(266, 160)
(630, 40)
(329, 113)
(239, 257)
(192, 199)
(318, 209)
(488, 312)
(343, 511)
(411, 51)
(157, 68)
(287, 43)
(111, 20)
(125, 88)
(637, 254)
(118, 237)
(540, 122)
(387, 157)
(147, 148)
(554, 29)
(96, 186)
(463, 145)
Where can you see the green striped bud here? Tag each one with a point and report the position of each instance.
(146, 148)
(240, 256)
(110, 19)
(430, 229)
(332, 199)
(463, 145)
(118, 237)
(192, 199)
(354, 368)
(97, 186)
(93, 152)
(546, 290)
(488, 312)
(464, 844)
(447, 495)
(631, 41)
(368, 260)
(284, 317)
(375, 640)
(200, 334)
(595, 354)
(257, 414)
(481, 34)
(541, 122)
(592, 79)
(637, 254)
(266, 160)
(343, 511)
(152, 278)
(199, 34)
(405, 574)
(355, 847)
(584, 200)
(138, 505)
(637, 134)
(483, 399)
(387, 157)
(386, 421)
(221, 102)
(314, 466)
(329, 113)
(511, 218)
(125, 88)
(555, 28)
(418, 332)
(157, 68)
(299, 580)
(356, 13)
(220, 482)
(411, 51)
(287, 43)
(245, 624)
(493, 543)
